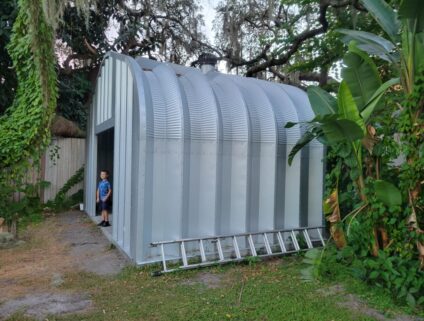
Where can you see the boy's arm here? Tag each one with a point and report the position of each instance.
(97, 196)
(108, 193)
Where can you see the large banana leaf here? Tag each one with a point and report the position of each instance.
(387, 193)
(413, 12)
(341, 130)
(322, 102)
(385, 16)
(328, 131)
(361, 75)
(419, 49)
(374, 100)
(347, 106)
(304, 140)
(372, 44)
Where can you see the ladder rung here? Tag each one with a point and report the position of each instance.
(294, 240)
(183, 254)
(236, 248)
(218, 245)
(320, 237)
(281, 242)
(308, 239)
(267, 246)
(162, 250)
(202, 251)
(251, 245)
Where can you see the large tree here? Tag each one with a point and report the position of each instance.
(292, 41)
(163, 30)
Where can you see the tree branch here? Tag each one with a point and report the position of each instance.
(135, 13)
(297, 42)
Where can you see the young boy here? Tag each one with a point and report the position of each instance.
(104, 191)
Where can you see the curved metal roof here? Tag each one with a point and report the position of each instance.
(220, 106)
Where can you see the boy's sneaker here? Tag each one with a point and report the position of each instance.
(102, 223)
(106, 224)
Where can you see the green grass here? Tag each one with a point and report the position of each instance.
(258, 291)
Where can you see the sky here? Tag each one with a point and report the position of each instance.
(209, 14)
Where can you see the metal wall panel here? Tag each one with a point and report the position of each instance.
(262, 156)
(314, 155)
(232, 200)
(287, 191)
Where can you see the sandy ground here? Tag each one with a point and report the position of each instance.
(32, 273)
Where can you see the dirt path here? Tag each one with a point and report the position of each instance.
(32, 273)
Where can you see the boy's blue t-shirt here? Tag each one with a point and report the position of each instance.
(104, 187)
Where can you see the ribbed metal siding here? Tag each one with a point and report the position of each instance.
(123, 155)
(262, 155)
(232, 185)
(104, 92)
(312, 180)
(90, 164)
(287, 191)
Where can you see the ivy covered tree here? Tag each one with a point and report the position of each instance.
(8, 11)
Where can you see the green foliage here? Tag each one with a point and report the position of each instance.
(361, 75)
(24, 128)
(25, 210)
(61, 200)
(322, 102)
(8, 11)
(385, 16)
(384, 224)
(402, 277)
(373, 102)
(387, 193)
(74, 89)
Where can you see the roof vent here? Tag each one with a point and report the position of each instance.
(207, 62)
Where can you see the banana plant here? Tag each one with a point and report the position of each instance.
(344, 121)
(405, 30)
(403, 49)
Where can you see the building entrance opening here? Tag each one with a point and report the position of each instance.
(105, 154)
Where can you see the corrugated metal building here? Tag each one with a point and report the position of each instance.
(197, 154)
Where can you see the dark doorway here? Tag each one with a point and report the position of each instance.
(105, 153)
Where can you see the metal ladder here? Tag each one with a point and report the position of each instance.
(192, 253)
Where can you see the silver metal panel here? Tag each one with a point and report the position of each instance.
(167, 153)
(232, 184)
(102, 96)
(98, 98)
(203, 111)
(128, 163)
(110, 79)
(287, 203)
(203, 155)
(262, 156)
(117, 144)
(121, 155)
(312, 162)
(90, 167)
(262, 118)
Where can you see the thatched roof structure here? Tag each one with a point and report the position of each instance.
(63, 127)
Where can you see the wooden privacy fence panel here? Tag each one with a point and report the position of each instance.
(58, 170)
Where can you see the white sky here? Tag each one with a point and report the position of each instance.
(209, 14)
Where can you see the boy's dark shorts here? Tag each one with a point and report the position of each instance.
(104, 206)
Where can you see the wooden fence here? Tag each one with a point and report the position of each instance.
(61, 160)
